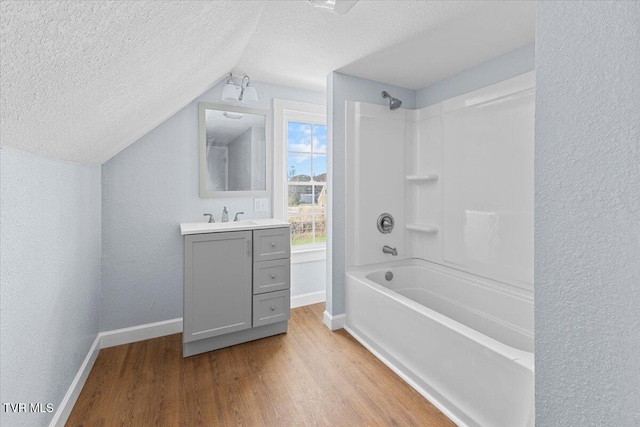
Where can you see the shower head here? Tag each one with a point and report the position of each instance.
(394, 103)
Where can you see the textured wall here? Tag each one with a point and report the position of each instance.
(148, 190)
(341, 88)
(50, 274)
(511, 64)
(587, 214)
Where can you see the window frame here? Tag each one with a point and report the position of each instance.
(293, 111)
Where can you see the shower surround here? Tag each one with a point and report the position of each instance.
(457, 177)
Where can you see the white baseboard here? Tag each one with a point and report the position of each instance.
(333, 322)
(308, 299)
(104, 340)
(140, 332)
(69, 399)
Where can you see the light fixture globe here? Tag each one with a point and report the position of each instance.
(250, 94)
(231, 92)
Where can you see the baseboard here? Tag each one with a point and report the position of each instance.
(104, 340)
(69, 399)
(334, 322)
(140, 332)
(308, 299)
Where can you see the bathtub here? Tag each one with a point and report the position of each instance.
(462, 341)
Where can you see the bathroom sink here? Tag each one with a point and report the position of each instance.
(245, 223)
(213, 227)
(230, 224)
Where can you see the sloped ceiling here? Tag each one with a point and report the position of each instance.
(80, 81)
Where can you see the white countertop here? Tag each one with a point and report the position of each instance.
(217, 227)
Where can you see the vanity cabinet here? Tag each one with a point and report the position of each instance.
(218, 284)
(236, 287)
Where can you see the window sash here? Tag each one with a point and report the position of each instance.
(286, 111)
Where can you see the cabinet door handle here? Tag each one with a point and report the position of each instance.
(273, 276)
(273, 245)
(249, 248)
(272, 308)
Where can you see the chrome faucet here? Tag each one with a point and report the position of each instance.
(225, 215)
(210, 218)
(389, 250)
(236, 217)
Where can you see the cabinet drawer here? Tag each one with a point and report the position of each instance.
(269, 276)
(271, 244)
(271, 307)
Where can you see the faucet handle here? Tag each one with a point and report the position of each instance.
(210, 217)
(236, 217)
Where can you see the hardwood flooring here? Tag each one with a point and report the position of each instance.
(307, 377)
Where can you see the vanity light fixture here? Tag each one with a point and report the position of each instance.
(244, 92)
(339, 7)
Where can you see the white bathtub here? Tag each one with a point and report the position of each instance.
(464, 342)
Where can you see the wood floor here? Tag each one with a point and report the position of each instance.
(307, 377)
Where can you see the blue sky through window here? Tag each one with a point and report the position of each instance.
(300, 137)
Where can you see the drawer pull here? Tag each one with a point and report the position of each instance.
(273, 276)
(273, 244)
(272, 308)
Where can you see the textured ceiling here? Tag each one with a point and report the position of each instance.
(80, 81)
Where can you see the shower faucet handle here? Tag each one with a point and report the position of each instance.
(385, 223)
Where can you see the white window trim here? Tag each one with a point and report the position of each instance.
(284, 111)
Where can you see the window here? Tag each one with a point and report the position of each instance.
(306, 183)
(300, 175)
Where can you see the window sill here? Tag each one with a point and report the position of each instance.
(308, 255)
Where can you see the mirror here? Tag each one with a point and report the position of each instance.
(235, 150)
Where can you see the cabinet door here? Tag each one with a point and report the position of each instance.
(217, 284)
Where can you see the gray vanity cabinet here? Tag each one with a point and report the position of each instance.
(218, 284)
(236, 287)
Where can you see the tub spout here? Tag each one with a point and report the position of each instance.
(389, 250)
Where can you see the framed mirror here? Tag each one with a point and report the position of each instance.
(235, 150)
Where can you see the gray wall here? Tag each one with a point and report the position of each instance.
(503, 67)
(148, 190)
(50, 278)
(587, 214)
(342, 88)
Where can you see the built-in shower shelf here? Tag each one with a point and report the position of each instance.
(421, 179)
(423, 228)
